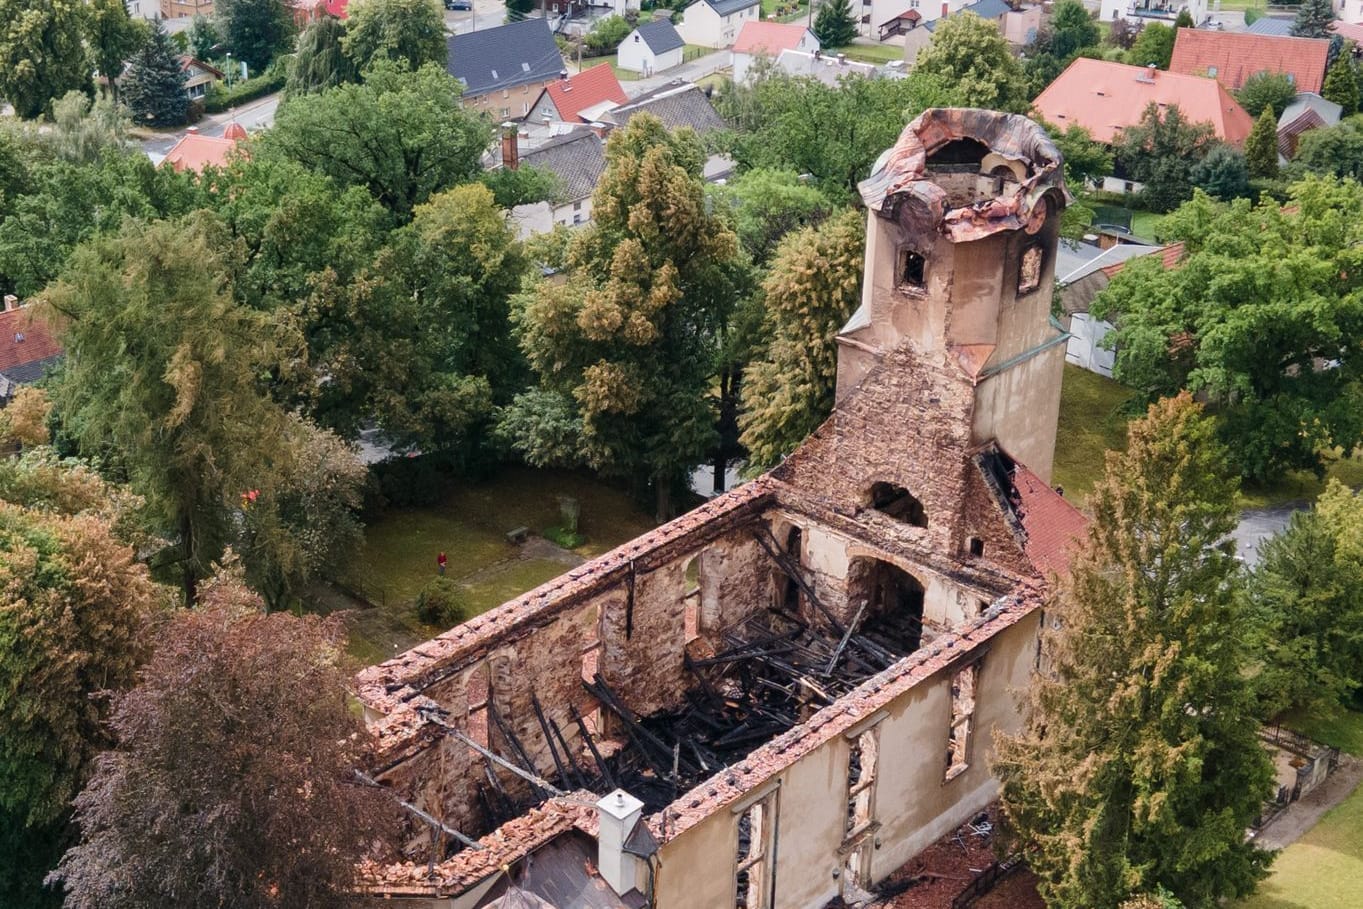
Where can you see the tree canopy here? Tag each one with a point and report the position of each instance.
(1139, 766)
(113, 37)
(255, 30)
(1341, 85)
(768, 204)
(1161, 151)
(835, 25)
(154, 85)
(1313, 19)
(623, 352)
(970, 55)
(400, 135)
(1261, 148)
(239, 748)
(42, 53)
(1331, 150)
(410, 32)
(1266, 90)
(812, 289)
(321, 61)
(1154, 46)
(1258, 318)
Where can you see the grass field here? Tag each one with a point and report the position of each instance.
(1144, 224)
(1093, 418)
(1324, 869)
(872, 53)
(470, 526)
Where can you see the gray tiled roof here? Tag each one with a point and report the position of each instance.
(987, 9)
(577, 159)
(660, 36)
(729, 7)
(677, 104)
(504, 57)
(1269, 26)
(27, 373)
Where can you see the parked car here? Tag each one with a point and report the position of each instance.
(459, 4)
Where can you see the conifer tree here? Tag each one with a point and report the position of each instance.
(1313, 19)
(1185, 19)
(1341, 86)
(154, 85)
(1261, 148)
(835, 25)
(1138, 766)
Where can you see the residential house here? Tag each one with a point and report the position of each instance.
(1268, 25)
(1082, 270)
(653, 47)
(576, 159)
(1232, 57)
(28, 348)
(677, 104)
(768, 39)
(503, 69)
(580, 98)
(305, 11)
(1018, 25)
(176, 9)
(199, 76)
(1105, 98)
(1142, 11)
(715, 23)
(900, 560)
(1349, 12)
(196, 151)
(1305, 113)
(143, 9)
(886, 18)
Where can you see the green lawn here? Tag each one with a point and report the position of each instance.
(1324, 869)
(1144, 224)
(1094, 412)
(1093, 418)
(624, 75)
(470, 526)
(872, 53)
(1338, 727)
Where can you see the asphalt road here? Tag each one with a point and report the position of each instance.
(254, 115)
(1258, 524)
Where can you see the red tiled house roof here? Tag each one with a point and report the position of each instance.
(24, 339)
(587, 89)
(768, 38)
(1054, 527)
(1232, 57)
(1105, 98)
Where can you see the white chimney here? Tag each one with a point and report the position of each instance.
(619, 812)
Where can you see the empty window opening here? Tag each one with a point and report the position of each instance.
(862, 759)
(962, 151)
(891, 601)
(478, 691)
(753, 866)
(912, 269)
(962, 719)
(790, 589)
(976, 546)
(1029, 272)
(592, 649)
(898, 503)
(691, 599)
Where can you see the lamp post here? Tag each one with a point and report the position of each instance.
(229, 69)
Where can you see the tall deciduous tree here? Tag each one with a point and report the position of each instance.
(1154, 46)
(1308, 597)
(1341, 85)
(42, 53)
(401, 135)
(1263, 297)
(627, 344)
(411, 32)
(1261, 148)
(1161, 151)
(1071, 29)
(835, 25)
(1139, 765)
(321, 62)
(1313, 19)
(970, 54)
(154, 85)
(163, 370)
(832, 133)
(1266, 91)
(238, 748)
(255, 30)
(768, 204)
(113, 37)
(814, 285)
(204, 37)
(1331, 150)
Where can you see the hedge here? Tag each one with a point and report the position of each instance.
(268, 82)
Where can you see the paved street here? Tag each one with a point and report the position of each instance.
(689, 72)
(254, 115)
(1258, 524)
(485, 14)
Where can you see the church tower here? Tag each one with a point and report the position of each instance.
(962, 226)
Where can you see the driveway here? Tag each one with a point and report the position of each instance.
(687, 72)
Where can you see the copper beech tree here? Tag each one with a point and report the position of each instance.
(1139, 767)
(232, 780)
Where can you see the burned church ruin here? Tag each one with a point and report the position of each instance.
(782, 696)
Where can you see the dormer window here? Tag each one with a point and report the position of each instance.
(912, 274)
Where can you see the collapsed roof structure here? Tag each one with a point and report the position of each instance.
(781, 696)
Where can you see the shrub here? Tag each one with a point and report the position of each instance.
(607, 34)
(441, 603)
(271, 80)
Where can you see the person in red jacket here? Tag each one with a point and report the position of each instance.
(440, 561)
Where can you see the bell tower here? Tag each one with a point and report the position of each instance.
(962, 226)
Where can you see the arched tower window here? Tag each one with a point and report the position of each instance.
(898, 503)
(913, 269)
(1029, 270)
